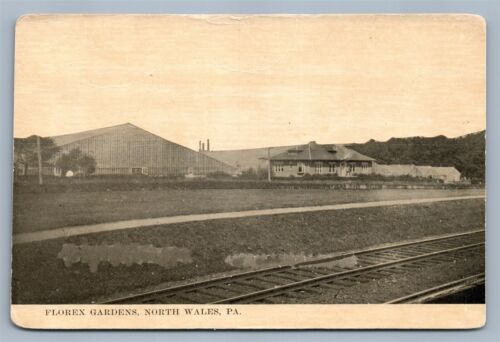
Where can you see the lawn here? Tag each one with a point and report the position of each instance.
(40, 211)
(40, 275)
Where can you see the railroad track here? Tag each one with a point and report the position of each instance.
(301, 280)
(442, 290)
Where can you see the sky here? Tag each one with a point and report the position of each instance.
(252, 81)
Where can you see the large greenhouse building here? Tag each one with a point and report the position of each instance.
(127, 149)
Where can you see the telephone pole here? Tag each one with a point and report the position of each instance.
(39, 155)
(269, 164)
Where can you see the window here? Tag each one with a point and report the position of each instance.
(300, 168)
(365, 165)
(278, 168)
(351, 167)
(137, 170)
(332, 168)
(318, 168)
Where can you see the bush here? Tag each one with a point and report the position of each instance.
(251, 173)
(403, 178)
(219, 175)
(77, 162)
(308, 176)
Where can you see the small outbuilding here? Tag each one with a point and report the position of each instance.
(446, 174)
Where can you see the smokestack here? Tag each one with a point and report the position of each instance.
(199, 145)
(203, 146)
(208, 144)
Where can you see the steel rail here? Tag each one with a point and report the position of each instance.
(203, 283)
(389, 247)
(249, 274)
(440, 290)
(257, 295)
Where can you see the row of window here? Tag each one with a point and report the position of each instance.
(318, 168)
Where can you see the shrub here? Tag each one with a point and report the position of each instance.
(219, 175)
(76, 161)
(251, 173)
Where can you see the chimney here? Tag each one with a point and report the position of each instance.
(202, 147)
(208, 144)
(199, 145)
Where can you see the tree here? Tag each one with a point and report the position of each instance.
(87, 165)
(26, 151)
(465, 153)
(76, 161)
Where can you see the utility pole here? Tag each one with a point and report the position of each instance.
(269, 164)
(39, 154)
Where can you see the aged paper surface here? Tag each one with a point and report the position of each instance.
(249, 171)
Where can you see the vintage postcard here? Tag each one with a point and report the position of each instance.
(249, 172)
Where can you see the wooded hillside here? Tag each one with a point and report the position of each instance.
(465, 153)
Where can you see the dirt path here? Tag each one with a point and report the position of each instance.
(130, 224)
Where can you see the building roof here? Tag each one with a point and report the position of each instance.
(314, 151)
(61, 140)
(395, 169)
(416, 170)
(246, 158)
(65, 139)
(436, 171)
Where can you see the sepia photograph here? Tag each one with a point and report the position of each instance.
(249, 171)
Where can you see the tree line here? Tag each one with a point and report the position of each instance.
(465, 153)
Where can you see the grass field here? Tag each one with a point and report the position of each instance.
(39, 211)
(40, 276)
